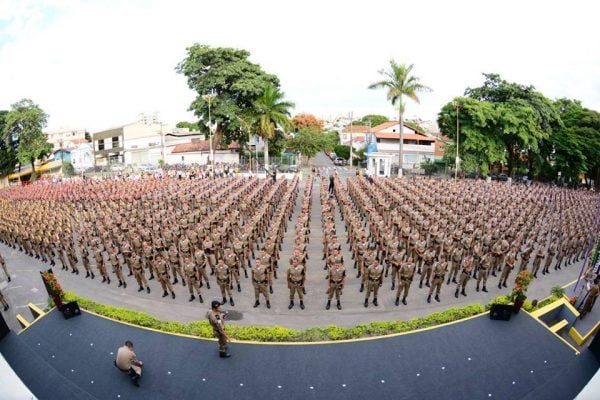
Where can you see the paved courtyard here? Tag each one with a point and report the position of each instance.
(26, 286)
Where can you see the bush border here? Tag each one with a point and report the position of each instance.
(280, 334)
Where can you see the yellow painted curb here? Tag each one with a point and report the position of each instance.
(29, 324)
(35, 311)
(22, 321)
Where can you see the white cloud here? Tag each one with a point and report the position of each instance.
(96, 64)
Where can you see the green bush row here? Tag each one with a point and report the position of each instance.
(277, 333)
(203, 329)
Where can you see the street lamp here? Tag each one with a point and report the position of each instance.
(212, 127)
(457, 160)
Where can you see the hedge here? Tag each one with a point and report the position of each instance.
(202, 329)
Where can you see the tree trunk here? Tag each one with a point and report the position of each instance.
(32, 166)
(266, 153)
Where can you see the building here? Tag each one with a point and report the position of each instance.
(198, 152)
(140, 142)
(67, 138)
(358, 134)
(383, 149)
(82, 157)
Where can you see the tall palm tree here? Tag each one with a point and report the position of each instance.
(399, 82)
(273, 112)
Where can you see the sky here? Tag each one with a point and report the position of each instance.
(97, 64)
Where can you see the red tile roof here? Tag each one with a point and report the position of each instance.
(356, 129)
(202, 145)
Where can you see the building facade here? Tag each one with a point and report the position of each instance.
(384, 143)
(67, 138)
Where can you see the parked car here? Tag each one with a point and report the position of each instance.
(149, 168)
(340, 161)
(332, 155)
(500, 177)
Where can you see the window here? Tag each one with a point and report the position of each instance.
(101, 144)
(115, 142)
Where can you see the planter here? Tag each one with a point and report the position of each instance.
(57, 302)
(519, 301)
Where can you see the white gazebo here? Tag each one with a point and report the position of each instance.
(380, 164)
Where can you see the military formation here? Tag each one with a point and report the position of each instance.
(227, 233)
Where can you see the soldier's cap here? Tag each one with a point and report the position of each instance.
(215, 304)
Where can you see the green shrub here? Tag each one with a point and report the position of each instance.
(203, 329)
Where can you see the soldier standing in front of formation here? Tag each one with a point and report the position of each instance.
(374, 275)
(465, 275)
(405, 278)
(224, 281)
(260, 281)
(439, 272)
(296, 278)
(336, 276)
(193, 278)
(162, 271)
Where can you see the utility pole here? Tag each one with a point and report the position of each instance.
(212, 128)
(351, 147)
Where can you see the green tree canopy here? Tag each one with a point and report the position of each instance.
(372, 119)
(8, 155)
(191, 126)
(236, 82)
(24, 124)
(309, 141)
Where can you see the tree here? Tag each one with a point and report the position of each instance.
(8, 157)
(525, 117)
(309, 141)
(273, 113)
(399, 83)
(190, 126)
(24, 124)
(236, 82)
(342, 151)
(301, 121)
(479, 146)
(372, 120)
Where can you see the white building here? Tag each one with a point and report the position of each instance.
(69, 138)
(382, 152)
(82, 157)
(358, 134)
(198, 152)
(140, 142)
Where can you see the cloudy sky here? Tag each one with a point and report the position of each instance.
(95, 64)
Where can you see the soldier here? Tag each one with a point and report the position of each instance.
(224, 281)
(485, 263)
(420, 249)
(271, 251)
(465, 275)
(334, 259)
(439, 272)
(336, 276)
(217, 320)
(548, 261)
(240, 252)
(232, 261)
(148, 258)
(85, 258)
(367, 260)
(3, 301)
(201, 261)
(175, 264)
(374, 275)
(509, 265)
(456, 258)
(162, 272)
(260, 281)
(193, 278)
(265, 260)
(539, 256)
(135, 262)
(100, 265)
(428, 258)
(405, 278)
(590, 299)
(296, 277)
(116, 266)
(3, 265)
(396, 259)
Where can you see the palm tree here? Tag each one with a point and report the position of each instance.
(273, 112)
(399, 82)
